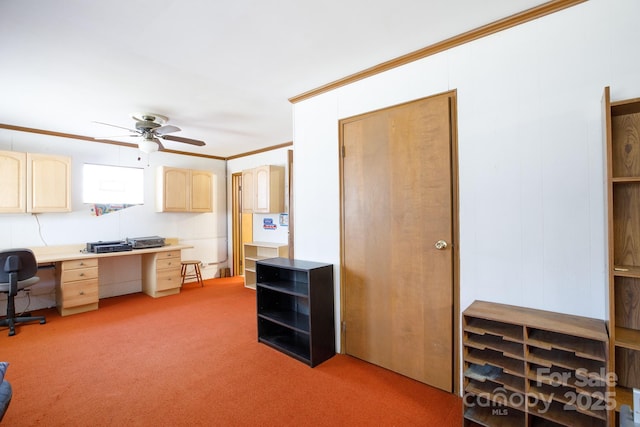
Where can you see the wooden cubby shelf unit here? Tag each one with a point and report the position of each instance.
(622, 142)
(527, 367)
(296, 308)
(254, 252)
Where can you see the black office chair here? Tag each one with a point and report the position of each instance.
(18, 268)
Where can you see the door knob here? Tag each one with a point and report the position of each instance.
(441, 244)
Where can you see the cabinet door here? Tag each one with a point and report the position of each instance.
(248, 193)
(269, 189)
(262, 188)
(201, 191)
(12, 177)
(175, 195)
(48, 183)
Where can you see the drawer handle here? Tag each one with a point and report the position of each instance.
(81, 274)
(81, 292)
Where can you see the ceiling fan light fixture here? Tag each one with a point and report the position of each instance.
(149, 117)
(148, 146)
(151, 128)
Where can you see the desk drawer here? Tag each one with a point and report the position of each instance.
(169, 254)
(167, 263)
(79, 293)
(168, 279)
(79, 274)
(79, 263)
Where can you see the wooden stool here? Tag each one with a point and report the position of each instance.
(195, 274)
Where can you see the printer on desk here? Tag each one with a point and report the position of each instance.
(145, 242)
(102, 247)
(128, 244)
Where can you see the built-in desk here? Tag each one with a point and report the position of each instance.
(77, 279)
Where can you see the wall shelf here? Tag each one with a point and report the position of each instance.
(526, 367)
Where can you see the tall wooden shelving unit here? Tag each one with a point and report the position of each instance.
(622, 138)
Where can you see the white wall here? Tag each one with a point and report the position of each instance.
(532, 201)
(205, 231)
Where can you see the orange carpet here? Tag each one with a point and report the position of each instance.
(193, 359)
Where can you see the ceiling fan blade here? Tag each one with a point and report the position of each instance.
(116, 126)
(166, 129)
(185, 140)
(99, 138)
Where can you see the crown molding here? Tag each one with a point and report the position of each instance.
(262, 150)
(486, 30)
(101, 141)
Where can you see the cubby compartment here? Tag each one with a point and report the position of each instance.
(292, 282)
(489, 393)
(626, 225)
(503, 330)
(475, 415)
(627, 302)
(567, 360)
(580, 381)
(565, 414)
(495, 358)
(496, 343)
(541, 422)
(628, 366)
(581, 347)
(625, 141)
(285, 339)
(285, 309)
(494, 374)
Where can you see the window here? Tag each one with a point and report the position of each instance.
(103, 184)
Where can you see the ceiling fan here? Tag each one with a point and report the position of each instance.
(151, 128)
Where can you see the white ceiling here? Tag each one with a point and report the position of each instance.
(221, 71)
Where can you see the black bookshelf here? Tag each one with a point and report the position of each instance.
(296, 309)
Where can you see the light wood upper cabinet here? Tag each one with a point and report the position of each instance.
(34, 183)
(13, 187)
(248, 192)
(48, 183)
(263, 190)
(173, 190)
(184, 190)
(201, 191)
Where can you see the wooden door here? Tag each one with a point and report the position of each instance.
(236, 223)
(242, 223)
(397, 201)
